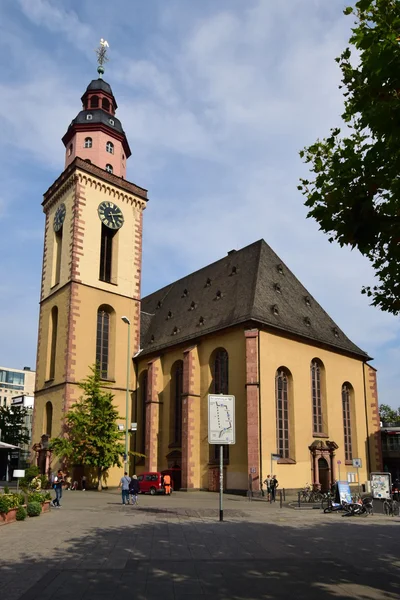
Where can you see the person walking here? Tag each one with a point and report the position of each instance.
(167, 484)
(274, 484)
(58, 483)
(134, 489)
(267, 482)
(83, 482)
(124, 484)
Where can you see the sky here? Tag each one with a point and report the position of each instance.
(216, 99)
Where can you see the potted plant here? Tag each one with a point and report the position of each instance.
(43, 498)
(9, 504)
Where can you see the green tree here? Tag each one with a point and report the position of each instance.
(387, 414)
(12, 425)
(91, 435)
(355, 194)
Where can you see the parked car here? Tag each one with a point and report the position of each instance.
(151, 483)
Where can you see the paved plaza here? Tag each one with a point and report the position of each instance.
(175, 548)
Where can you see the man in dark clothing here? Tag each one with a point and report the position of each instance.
(58, 483)
(274, 485)
(134, 489)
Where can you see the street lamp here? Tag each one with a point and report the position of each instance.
(128, 365)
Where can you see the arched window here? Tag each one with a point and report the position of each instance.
(143, 405)
(109, 168)
(176, 403)
(282, 413)
(110, 147)
(88, 142)
(70, 148)
(103, 341)
(346, 407)
(220, 385)
(317, 373)
(105, 104)
(53, 341)
(48, 418)
(94, 102)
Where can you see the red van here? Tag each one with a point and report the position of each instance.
(151, 483)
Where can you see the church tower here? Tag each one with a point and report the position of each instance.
(91, 271)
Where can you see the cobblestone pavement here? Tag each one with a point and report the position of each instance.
(94, 548)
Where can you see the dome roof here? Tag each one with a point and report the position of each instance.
(99, 85)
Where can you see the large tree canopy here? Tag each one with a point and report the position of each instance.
(13, 425)
(389, 415)
(355, 194)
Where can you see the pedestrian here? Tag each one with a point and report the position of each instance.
(274, 484)
(167, 484)
(124, 484)
(134, 489)
(58, 483)
(83, 483)
(267, 483)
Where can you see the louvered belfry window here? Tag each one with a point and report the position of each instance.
(102, 342)
(346, 398)
(316, 397)
(282, 413)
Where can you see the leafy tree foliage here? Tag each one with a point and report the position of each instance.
(12, 425)
(355, 194)
(91, 434)
(389, 415)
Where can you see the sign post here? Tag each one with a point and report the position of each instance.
(357, 463)
(221, 431)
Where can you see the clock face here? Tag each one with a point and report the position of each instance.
(110, 215)
(59, 217)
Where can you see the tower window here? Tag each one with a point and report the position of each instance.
(105, 104)
(89, 117)
(110, 147)
(53, 342)
(70, 149)
(109, 168)
(94, 102)
(106, 251)
(88, 142)
(102, 342)
(58, 237)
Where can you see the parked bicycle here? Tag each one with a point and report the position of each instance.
(307, 494)
(391, 507)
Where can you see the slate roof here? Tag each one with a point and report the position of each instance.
(98, 116)
(247, 285)
(99, 85)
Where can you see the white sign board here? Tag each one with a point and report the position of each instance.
(221, 419)
(357, 462)
(381, 485)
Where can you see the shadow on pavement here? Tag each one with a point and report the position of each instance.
(233, 560)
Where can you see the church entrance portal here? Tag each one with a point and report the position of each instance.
(323, 475)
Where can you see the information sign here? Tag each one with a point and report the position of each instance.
(381, 485)
(221, 419)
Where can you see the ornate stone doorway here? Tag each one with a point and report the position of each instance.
(323, 463)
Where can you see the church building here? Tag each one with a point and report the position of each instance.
(305, 396)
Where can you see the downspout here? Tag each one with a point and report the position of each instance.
(259, 408)
(366, 419)
(135, 367)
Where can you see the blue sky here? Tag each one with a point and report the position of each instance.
(216, 98)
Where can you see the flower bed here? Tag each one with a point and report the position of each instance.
(9, 504)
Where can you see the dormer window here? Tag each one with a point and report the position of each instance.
(277, 288)
(307, 300)
(159, 304)
(218, 295)
(110, 147)
(169, 315)
(184, 293)
(201, 321)
(89, 117)
(88, 142)
(279, 268)
(275, 310)
(208, 282)
(111, 121)
(193, 305)
(109, 168)
(307, 321)
(94, 102)
(234, 271)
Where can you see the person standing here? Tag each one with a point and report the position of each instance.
(274, 485)
(134, 489)
(83, 482)
(58, 483)
(268, 486)
(124, 484)
(167, 484)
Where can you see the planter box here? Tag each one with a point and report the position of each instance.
(46, 506)
(8, 517)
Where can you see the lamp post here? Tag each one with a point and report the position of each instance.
(127, 321)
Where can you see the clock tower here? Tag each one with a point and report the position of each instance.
(91, 272)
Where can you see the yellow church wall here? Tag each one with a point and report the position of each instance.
(276, 352)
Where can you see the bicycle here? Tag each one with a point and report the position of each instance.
(391, 508)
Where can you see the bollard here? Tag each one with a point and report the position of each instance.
(298, 498)
(280, 499)
(284, 495)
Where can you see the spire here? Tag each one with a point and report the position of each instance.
(102, 57)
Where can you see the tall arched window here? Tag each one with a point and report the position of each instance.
(94, 102)
(317, 374)
(109, 168)
(70, 148)
(53, 342)
(103, 341)
(220, 385)
(282, 413)
(105, 104)
(88, 142)
(110, 147)
(176, 403)
(143, 404)
(48, 418)
(346, 407)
